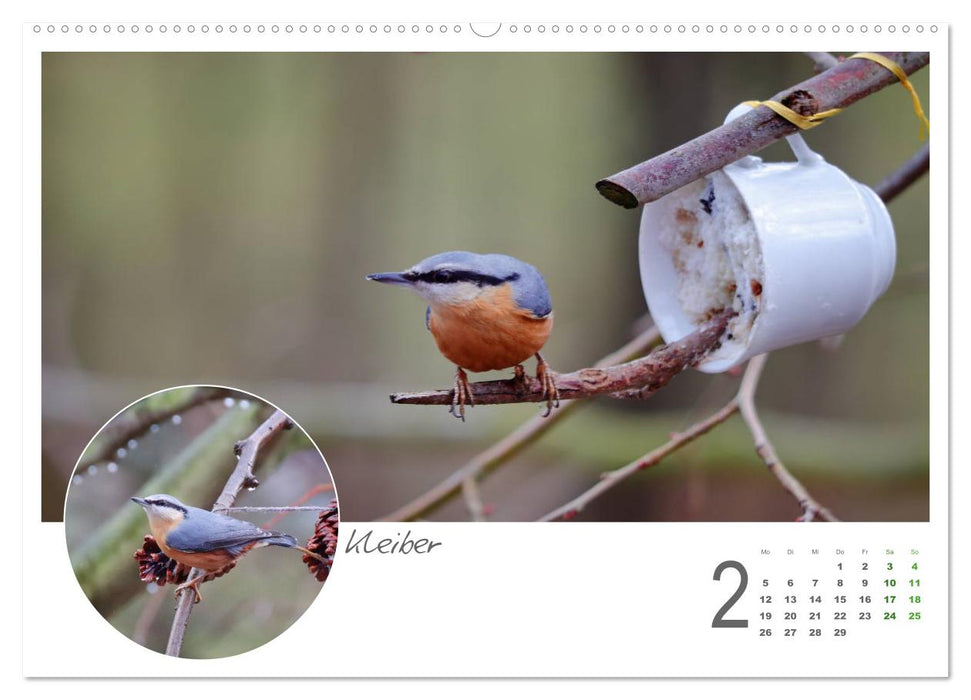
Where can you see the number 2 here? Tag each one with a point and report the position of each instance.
(719, 619)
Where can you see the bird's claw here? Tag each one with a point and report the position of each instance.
(547, 380)
(461, 395)
(194, 585)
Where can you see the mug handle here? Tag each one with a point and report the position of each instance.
(800, 149)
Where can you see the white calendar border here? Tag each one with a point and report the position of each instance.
(616, 41)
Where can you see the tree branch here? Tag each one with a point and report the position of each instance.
(247, 451)
(765, 450)
(653, 371)
(743, 402)
(298, 504)
(530, 431)
(822, 60)
(473, 499)
(906, 175)
(840, 86)
(122, 429)
(242, 476)
(611, 479)
(273, 509)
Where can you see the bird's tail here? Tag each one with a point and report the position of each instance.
(289, 541)
(281, 539)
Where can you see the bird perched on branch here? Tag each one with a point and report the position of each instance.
(485, 312)
(205, 540)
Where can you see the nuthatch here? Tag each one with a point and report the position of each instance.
(485, 312)
(205, 540)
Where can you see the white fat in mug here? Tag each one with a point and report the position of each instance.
(799, 250)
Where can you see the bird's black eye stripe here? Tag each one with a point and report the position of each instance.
(446, 276)
(165, 504)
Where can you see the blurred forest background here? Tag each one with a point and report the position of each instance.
(210, 218)
(183, 446)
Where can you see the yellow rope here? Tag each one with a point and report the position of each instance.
(925, 125)
(814, 120)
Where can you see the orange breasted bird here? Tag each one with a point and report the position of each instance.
(205, 540)
(485, 312)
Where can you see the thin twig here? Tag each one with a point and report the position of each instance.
(273, 509)
(611, 479)
(127, 427)
(313, 491)
(764, 448)
(473, 499)
(655, 370)
(906, 175)
(822, 60)
(530, 431)
(744, 403)
(242, 476)
(840, 86)
(247, 451)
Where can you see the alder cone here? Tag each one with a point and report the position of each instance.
(324, 542)
(154, 566)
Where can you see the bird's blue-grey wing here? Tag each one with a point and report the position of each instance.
(428, 318)
(204, 531)
(532, 293)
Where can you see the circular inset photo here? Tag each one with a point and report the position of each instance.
(201, 521)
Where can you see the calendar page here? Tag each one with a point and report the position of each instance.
(437, 348)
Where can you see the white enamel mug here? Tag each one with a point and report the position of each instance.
(799, 250)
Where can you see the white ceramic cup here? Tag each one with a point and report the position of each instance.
(826, 245)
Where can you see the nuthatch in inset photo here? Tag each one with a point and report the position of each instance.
(205, 540)
(485, 312)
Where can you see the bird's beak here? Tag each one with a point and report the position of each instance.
(140, 501)
(397, 278)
